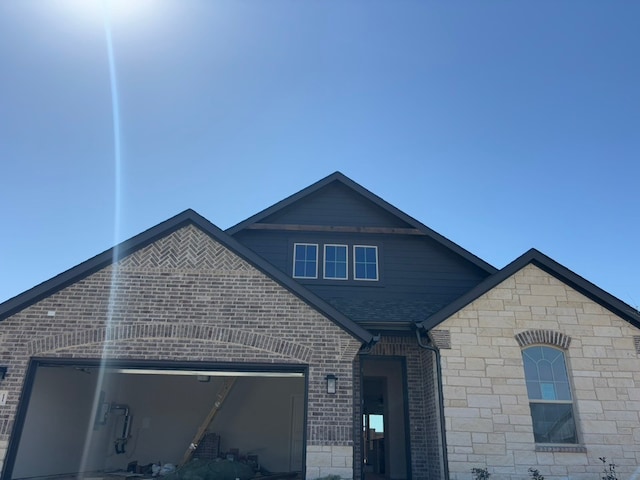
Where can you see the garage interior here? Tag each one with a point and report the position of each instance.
(87, 421)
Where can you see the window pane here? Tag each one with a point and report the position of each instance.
(310, 271)
(533, 354)
(330, 270)
(366, 263)
(546, 374)
(553, 423)
(330, 253)
(533, 390)
(335, 261)
(370, 255)
(305, 264)
(371, 270)
(559, 370)
(563, 392)
(311, 253)
(544, 371)
(548, 391)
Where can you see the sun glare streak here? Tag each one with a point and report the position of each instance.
(119, 10)
(115, 111)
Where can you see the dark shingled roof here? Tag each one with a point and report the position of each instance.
(396, 311)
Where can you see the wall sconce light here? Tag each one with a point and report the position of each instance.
(332, 383)
(3, 372)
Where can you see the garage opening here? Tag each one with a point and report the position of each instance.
(80, 420)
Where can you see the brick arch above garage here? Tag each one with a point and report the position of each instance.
(198, 342)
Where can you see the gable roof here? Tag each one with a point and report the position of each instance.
(379, 202)
(553, 268)
(188, 217)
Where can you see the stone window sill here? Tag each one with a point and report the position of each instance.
(561, 448)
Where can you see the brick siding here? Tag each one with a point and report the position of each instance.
(426, 458)
(185, 297)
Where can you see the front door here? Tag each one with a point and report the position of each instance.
(385, 441)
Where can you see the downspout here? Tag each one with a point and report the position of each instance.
(443, 431)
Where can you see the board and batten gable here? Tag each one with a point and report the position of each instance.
(187, 297)
(418, 275)
(486, 404)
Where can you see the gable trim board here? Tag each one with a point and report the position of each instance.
(254, 222)
(188, 217)
(551, 267)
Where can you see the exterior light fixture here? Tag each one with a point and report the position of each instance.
(332, 384)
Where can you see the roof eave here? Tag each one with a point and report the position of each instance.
(77, 273)
(562, 273)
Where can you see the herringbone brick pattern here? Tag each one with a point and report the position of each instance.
(190, 249)
(186, 298)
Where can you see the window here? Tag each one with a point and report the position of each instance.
(335, 262)
(365, 262)
(549, 393)
(305, 260)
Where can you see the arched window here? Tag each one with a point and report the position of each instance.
(550, 397)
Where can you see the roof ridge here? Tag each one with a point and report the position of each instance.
(372, 197)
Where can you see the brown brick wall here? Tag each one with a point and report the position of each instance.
(423, 414)
(186, 298)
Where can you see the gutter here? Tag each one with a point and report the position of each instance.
(443, 431)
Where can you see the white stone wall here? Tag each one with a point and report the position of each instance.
(487, 413)
(323, 461)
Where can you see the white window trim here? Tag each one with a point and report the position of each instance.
(294, 260)
(377, 264)
(324, 262)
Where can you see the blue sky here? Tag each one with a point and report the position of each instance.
(502, 125)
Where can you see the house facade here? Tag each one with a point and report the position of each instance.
(330, 334)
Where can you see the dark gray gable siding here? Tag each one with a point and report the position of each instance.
(336, 205)
(419, 275)
(273, 212)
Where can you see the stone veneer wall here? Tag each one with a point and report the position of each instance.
(486, 405)
(185, 297)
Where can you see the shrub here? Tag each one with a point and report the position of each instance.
(535, 474)
(480, 473)
(608, 470)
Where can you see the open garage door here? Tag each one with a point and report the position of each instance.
(78, 417)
